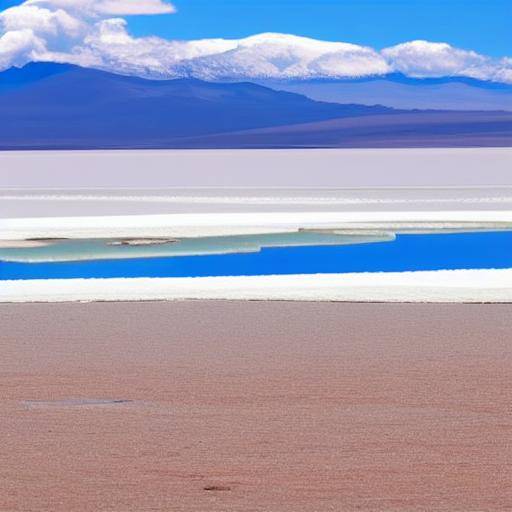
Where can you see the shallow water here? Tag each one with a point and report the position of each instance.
(406, 253)
(40, 251)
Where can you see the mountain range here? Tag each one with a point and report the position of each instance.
(399, 91)
(49, 105)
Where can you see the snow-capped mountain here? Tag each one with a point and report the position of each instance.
(281, 56)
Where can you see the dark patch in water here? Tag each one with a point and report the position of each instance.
(46, 239)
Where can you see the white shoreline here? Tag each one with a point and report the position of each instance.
(226, 224)
(272, 199)
(18, 203)
(472, 286)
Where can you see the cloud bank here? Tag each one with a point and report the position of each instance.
(94, 33)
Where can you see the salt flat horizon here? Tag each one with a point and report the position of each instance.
(260, 168)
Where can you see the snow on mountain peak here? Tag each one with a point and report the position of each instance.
(284, 56)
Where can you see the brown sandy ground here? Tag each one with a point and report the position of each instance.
(255, 406)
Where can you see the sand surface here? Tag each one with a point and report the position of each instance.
(255, 406)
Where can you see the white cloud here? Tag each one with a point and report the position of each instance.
(423, 58)
(426, 59)
(504, 73)
(111, 47)
(40, 20)
(93, 33)
(108, 7)
(18, 47)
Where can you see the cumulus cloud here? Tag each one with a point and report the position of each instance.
(94, 33)
(427, 59)
(108, 7)
(504, 74)
(423, 58)
(109, 46)
(40, 20)
(19, 46)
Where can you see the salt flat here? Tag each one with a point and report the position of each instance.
(103, 183)
(473, 286)
(187, 194)
(52, 202)
(229, 224)
(295, 168)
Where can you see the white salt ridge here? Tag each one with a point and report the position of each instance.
(256, 200)
(474, 286)
(228, 224)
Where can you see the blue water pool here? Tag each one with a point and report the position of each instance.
(407, 252)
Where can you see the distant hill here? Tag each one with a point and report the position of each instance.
(411, 129)
(398, 91)
(67, 106)
(47, 105)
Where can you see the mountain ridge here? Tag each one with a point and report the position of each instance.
(59, 106)
(404, 79)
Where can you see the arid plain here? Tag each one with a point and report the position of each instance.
(255, 406)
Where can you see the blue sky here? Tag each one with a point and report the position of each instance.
(480, 25)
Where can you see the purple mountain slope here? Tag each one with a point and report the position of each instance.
(63, 106)
(411, 129)
(399, 91)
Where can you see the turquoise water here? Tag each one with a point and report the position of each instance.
(407, 252)
(114, 249)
